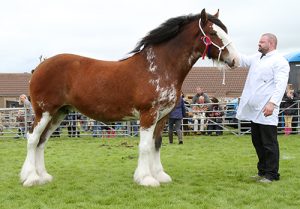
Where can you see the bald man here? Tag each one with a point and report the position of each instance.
(263, 91)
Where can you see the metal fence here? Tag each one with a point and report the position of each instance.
(15, 122)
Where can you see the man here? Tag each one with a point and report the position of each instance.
(289, 104)
(23, 100)
(199, 93)
(264, 88)
(199, 111)
(175, 117)
(200, 98)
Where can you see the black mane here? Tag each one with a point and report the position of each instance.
(170, 29)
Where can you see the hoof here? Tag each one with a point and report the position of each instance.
(162, 177)
(32, 180)
(45, 178)
(149, 181)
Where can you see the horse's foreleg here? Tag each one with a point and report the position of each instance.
(28, 175)
(143, 174)
(157, 168)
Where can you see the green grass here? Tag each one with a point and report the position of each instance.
(207, 172)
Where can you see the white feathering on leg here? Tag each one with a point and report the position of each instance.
(142, 173)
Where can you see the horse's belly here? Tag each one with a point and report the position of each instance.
(107, 115)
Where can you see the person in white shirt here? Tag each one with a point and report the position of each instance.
(23, 100)
(263, 91)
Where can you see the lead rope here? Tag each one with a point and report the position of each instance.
(224, 71)
(207, 41)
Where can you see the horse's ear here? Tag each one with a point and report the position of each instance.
(217, 14)
(203, 17)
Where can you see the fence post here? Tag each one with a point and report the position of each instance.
(25, 120)
(129, 128)
(239, 127)
(298, 114)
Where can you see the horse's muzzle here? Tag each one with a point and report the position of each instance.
(234, 63)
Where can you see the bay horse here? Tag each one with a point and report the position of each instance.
(145, 86)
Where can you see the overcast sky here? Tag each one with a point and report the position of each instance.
(108, 30)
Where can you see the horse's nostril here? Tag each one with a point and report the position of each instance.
(233, 62)
(229, 63)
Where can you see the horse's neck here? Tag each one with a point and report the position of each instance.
(180, 54)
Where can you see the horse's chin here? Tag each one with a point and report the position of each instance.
(232, 64)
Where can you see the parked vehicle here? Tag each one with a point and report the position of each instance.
(230, 112)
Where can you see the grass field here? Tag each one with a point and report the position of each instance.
(207, 172)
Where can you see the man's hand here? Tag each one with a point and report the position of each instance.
(268, 109)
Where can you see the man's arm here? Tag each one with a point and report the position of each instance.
(281, 75)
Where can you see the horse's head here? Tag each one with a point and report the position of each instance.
(216, 42)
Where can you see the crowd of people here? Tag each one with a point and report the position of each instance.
(205, 115)
(74, 123)
(202, 115)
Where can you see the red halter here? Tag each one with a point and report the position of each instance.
(207, 41)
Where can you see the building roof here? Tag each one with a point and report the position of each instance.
(210, 80)
(12, 84)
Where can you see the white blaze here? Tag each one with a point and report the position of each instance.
(233, 53)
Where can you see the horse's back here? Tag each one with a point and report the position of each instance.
(55, 77)
(94, 87)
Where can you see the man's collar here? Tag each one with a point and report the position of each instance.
(271, 52)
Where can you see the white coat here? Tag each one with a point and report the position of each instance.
(266, 82)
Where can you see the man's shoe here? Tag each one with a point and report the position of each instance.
(17, 136)
(180, 142)
(265, 181)
(257, 177)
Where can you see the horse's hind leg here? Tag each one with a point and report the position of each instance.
(28, 175)
(40, 160)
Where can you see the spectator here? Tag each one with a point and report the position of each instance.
(57, 132)
(215, 119)
(71, 124)
(200, 92)
(186, 120)
(175, 118)
(78, 119)
(199, 117)
(96, 129)
(29, 116)
(89, 124)
(134, 126)
(288, 104)
(199, 110)
(109, 128)
(1, 124)
(21, 124)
